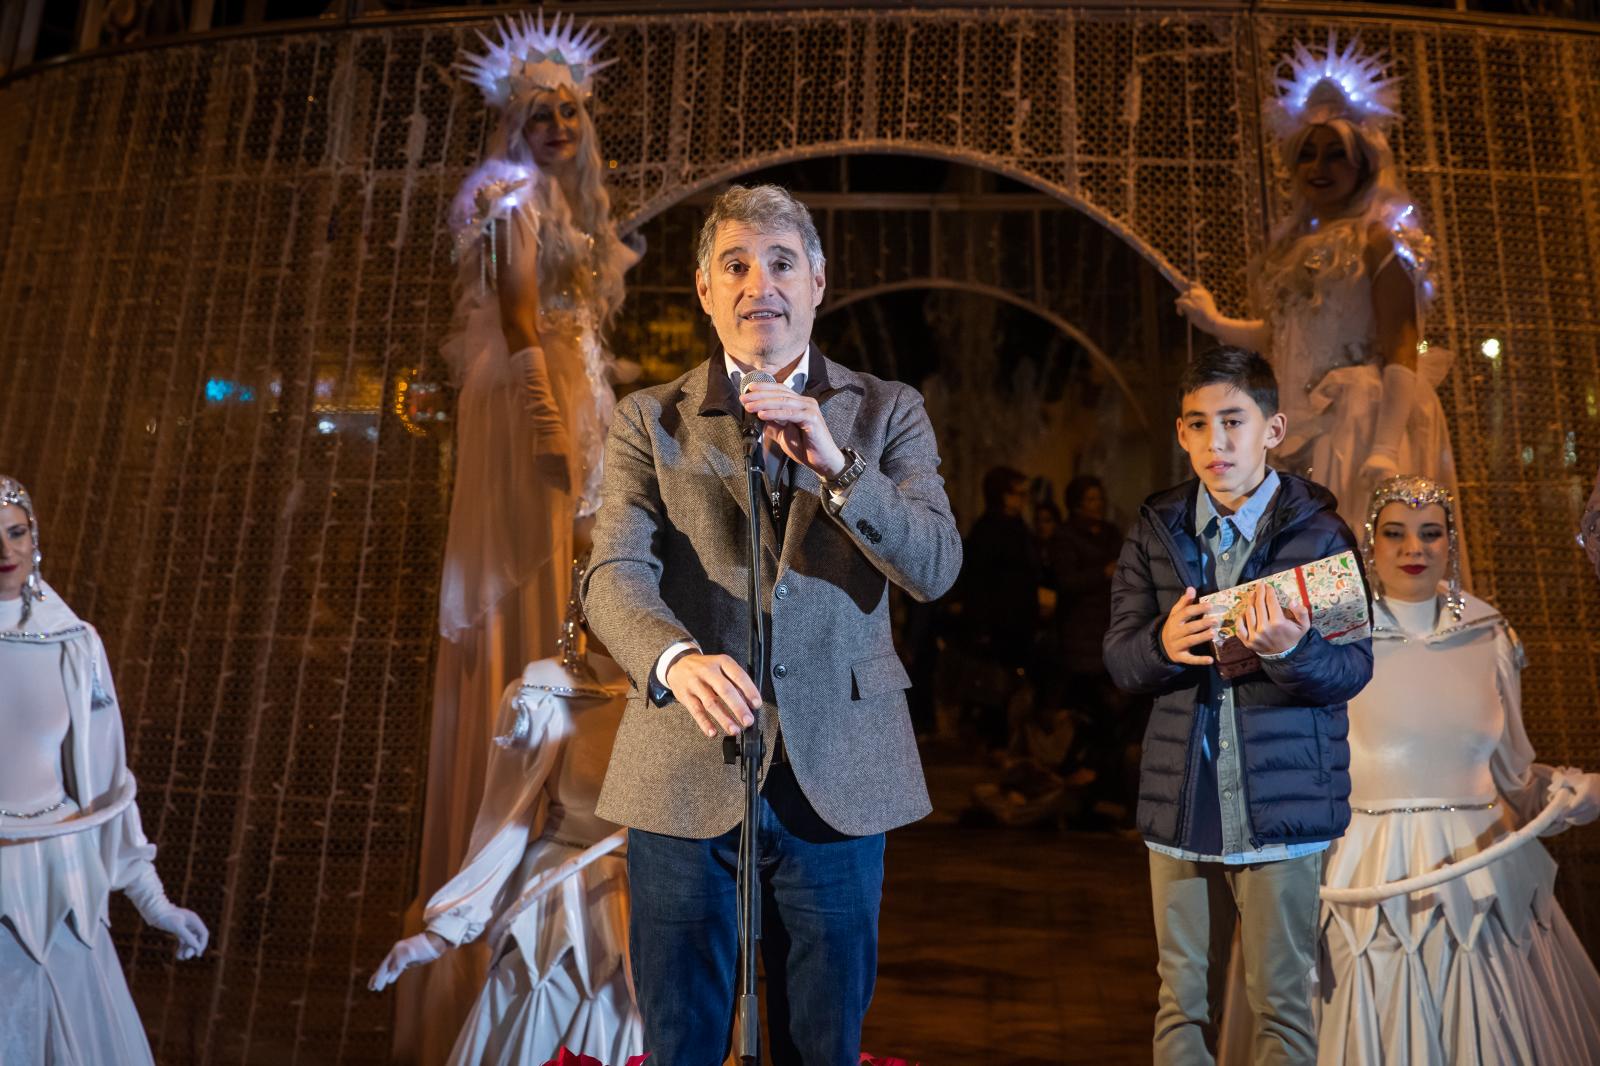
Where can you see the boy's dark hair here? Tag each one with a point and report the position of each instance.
(1227, 365)
(997, 482)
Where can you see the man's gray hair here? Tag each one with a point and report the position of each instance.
(765, 208)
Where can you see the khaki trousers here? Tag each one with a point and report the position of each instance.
(1196, 907)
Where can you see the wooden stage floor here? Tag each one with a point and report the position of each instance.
(1008, 947)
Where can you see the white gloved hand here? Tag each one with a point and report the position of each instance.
(1400, 395)
(416, 950)
(1379, 466)
(532, 373)
(1586, 794)
(1198, 306)
(150, 900)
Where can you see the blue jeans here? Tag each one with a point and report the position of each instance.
(820, 892)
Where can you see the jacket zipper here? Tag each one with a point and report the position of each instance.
(1266, 533)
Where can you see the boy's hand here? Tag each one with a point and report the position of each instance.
(1269, 628)
(1188, 624)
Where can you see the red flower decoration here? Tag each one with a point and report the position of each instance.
(868, 1060)
(568, 1058)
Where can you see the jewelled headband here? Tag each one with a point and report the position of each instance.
(532, 55)
(1416, 491)
(1348, 84)
(12, 492)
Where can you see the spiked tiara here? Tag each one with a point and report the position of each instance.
(532, 55)
(1333, 84)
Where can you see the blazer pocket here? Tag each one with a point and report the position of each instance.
(877, 676)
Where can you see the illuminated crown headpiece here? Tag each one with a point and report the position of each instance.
(533, 55)
(1344, 84)
(12, 492)
(1416, 491)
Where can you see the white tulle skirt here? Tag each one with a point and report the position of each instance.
(560, 976)
(70, 1008)
(1484, 969)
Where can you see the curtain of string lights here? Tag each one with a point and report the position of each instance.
(224, 276)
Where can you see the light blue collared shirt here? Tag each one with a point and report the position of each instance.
(1225, 545)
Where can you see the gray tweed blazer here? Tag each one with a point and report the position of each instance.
(669, 564)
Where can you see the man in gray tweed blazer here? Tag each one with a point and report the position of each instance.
(855, 502)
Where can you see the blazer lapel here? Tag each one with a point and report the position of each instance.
(717, 433)
(724, 446)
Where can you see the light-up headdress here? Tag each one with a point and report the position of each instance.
(1351, 86)
(1416, 491)
(11, 491)
(1334, 84)
(533, 56)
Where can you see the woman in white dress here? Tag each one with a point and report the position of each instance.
(1483, 968)
(69, 828)
(1340, 292)
(541, 272)
(545, 881)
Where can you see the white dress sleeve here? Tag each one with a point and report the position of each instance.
(1522, 781)
(511, 813)
(127, 854)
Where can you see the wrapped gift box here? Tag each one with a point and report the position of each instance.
(1332, 589)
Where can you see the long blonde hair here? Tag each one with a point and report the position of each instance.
(578, 244)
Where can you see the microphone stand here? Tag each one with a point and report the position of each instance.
(747, 748)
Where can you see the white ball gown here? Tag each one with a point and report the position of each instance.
(70, 835)
(545, 881)
(1481, 969)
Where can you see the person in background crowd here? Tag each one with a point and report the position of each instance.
(999, 595)
(1083, 558)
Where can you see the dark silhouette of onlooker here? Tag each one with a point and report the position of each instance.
(998, 592)
(1046, 528)
(1084, 556)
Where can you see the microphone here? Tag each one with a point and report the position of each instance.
(752, 424)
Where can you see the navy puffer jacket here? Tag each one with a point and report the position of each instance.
(1291, 714)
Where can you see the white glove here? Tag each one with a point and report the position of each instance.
(539, 401)
(416, 950)
(1586, 794)
(148, 897)
(1394, 411)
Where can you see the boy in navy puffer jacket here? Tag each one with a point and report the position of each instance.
(1245, 782)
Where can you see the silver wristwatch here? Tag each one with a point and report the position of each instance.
(849, 475)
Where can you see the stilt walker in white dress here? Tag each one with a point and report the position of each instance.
(1339, 295)
(545, 883)
(1483, 968)
(541, 271)
(69, 827)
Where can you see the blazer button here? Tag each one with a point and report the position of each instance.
(782, 591)
(780, 671)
